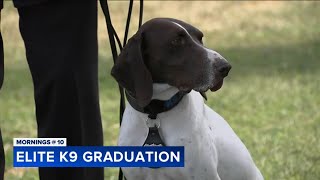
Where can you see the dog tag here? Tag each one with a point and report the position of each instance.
(153, 138)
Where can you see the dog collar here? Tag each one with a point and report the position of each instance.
(157, 106)
(153, 109)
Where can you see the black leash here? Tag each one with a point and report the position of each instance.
(1, 61)
(2, 156)
(113, 37)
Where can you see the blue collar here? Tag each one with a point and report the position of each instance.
(153, 109)
(157, 106)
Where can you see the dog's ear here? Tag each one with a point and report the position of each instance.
(131, 72)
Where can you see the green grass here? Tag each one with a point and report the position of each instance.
(271, 98)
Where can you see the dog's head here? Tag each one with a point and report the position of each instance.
(168, 51)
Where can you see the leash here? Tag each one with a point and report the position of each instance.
(2, 156)
(1, 59)
(113, 38)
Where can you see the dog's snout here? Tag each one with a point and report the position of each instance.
(224, 69)
(220, 63)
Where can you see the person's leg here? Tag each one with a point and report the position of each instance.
(61, 46)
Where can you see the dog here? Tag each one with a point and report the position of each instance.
(166, 58)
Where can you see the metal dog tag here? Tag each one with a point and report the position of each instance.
(153, 138)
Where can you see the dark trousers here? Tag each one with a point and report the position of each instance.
(62, 52)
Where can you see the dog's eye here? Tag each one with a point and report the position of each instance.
(200, 39)
(178, 41)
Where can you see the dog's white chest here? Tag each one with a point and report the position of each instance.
(200, 130)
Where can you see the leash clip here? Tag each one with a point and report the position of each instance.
(153, 123)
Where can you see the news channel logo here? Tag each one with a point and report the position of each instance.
(54, 152)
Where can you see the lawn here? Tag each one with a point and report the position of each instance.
(271, 97)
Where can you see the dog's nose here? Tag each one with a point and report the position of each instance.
(224, 69)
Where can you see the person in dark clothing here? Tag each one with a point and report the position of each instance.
(60, 38)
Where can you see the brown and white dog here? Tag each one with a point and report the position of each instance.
(166, 56)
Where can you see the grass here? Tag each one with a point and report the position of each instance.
(271, 98)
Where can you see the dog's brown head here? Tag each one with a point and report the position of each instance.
(168, 51)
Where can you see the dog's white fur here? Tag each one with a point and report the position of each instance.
(212, 149)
